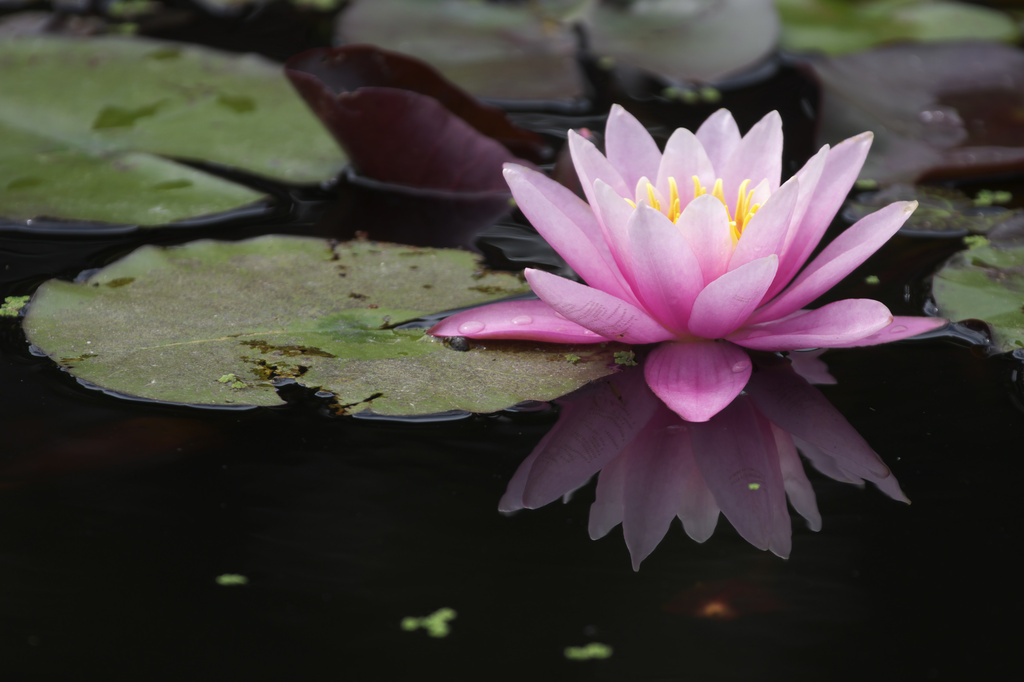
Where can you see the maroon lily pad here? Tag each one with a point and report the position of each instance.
(400, 121)
(937, 111)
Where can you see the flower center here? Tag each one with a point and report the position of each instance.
(745, 209)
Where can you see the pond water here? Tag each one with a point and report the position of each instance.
(126, 526)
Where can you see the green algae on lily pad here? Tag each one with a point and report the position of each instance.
(840, 26)
(223, 323)
(94, 129)
(986, 282)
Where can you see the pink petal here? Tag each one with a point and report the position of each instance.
(534, 320)
(629, 146)
(840, 323)
(719, 135)
(792, 246)
(684, 158)
(900, 328)
(696, 379)
(758, 156)
(614, 213)
(838, 259)
(667, 276)
(653, 482)
(798, 488)
(736, 454)
(595, 425)
(591, 166)
(767, 230)
(568, 225)
(725, 304)
(705, 225)
(837, 177)
(595, 310)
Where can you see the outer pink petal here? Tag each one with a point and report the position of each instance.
(684, 157)
(567, 224)
(697, 379)
(837, 324)
(736, 455)
(767, 230)
(837, 177)
(705, 225)
(591, 165)
(595, 310)
(719, 135)
(629, 146)
(534, 320)
(901, 328)
(725, 304)
(758, 156)
(838, 259)
(667, 275)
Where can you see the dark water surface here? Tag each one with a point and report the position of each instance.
(117, 517)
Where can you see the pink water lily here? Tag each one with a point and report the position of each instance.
(700, 249)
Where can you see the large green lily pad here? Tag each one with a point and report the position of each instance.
(986, 283)
(92, 129)
(220, 323)
(840, 26)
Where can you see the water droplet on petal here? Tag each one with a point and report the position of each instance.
(897, 329)
(522, 319)
(471, 327)
(740, 366)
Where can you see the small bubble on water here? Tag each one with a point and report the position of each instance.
(471, 327)
(522, 319)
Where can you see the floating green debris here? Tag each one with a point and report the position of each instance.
(232, 380)
(436, 624)
(872, 280)
(754, 486)
(572, 358)
(13, 305)
(626, 358)
(588, 652)
(988, 197)
(231, 580)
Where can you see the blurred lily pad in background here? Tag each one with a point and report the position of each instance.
(936, 110)
(529, 50)
(186, 325)
(941, 211)
(986, 282)
(93, 129)
(839, 26)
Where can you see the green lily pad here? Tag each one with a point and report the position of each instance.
(489, 49)
(986, 282)
(840, 26)
(684, 40)
(92, 129)
(222, 323)
(941, 211)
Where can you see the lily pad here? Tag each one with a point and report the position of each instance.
(684, 40)
(937, 111)
(92, 129)
(986, 283)
(219, 323)
(840, 26)
(941, 211)
(490, 49)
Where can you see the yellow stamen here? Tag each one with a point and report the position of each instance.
(674, 206)
(651, 199)
(745, 210)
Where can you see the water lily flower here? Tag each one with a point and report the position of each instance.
(699, 249)
(654, 466)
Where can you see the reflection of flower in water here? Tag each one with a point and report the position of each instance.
(700, 249)
(655, 466)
